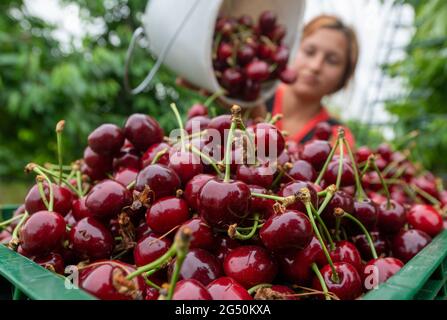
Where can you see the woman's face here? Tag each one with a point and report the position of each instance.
(320, 63)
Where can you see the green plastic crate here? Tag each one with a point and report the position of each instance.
(21, 278)
(423, 278)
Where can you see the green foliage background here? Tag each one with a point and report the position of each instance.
(41, 83)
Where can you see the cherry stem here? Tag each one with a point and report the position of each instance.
(19, 226)
(360, 193)
(42, 193)
(213, 97)
(326, 164)
(325, 229)
(154, 264)
(79, 182)
(337, 228)
(276, 118)
(149, 282)
(425, 195)
(208, 159)
(306, 200)
(180, 125)
(252, 146)
(158, 155)
(55, 175)
(365, 231)
(372, 160)
(37, 170)
(131, 185)
(340, 167)
(6, 223)
(321, 280)
(59, 129)
(330, 191)
(235, 118)
(183, 241)
(284, 200)
(255, 288)
(235, 234)
(281, 174)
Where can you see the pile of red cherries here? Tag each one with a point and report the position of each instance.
(145, 216)
(247, 54)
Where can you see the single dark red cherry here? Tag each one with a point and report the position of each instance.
(267, 21)
(53, 262)
(302, 170)
(261, 175)
(201, 234)
(245, 54)
(323, 131)
(232, 80)
(96, 161)
(152, 151)
(79, 209)
(385, 151)
(43, 232)
(278, 33)
(126, 176)
(408, 243)
(269, 141)
(197, 110)
(185, 164)
(107, 199)
(426, 184)
(127, 159)
(200, 265)
(344, 251)
(190, 289)
(264, 51)
(192, 188)
(217, 128)
(366, 212)
(224, 51)
(162, 180)
(143, 131)
(349, 286)
(224, 245)
(391, 220)
(316, 152)
(250, 265)
(425, 218)
(62, 199)
(257, 70)
(197, 124)
(226, 288)
(166, 214)
(281, 56)
(288, 75)
(252, 90)
(90, 240)
(291, 229)
(106, 280)
(292, 188)
(150, 248)
(94, 175)
(142, 230)
(380, 244)
(363, 154)
(107, 139)
(347, 173)
(224, 203)
(381, 270)
(340, 200)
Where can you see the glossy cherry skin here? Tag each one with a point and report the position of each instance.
(93, 174)
(127, 159)
(302, 170)
(142, 230)
(167, 213)
(221, 124)
(107, 199)
(150, 248)
(232, 79)
(257, 70)
(90, 240)
(381, 269)
(201, 234)
(340, 200)
(106, 140)
(245, 54)
(250, 265)
(363, 154)
(347, 175)
(323, 131)
(426, 218)
(316, 152)
(143, 131)
(294, 187)
(344, 251)
(262, 206)
(269, 141)
(192, 188)
(104, 280)
(162, 180)
(224, 51)
(43, 232)
(366, 212)
(267, 21)
(196, 110)
(125, 176)
(223, 246)
(96, 161)
(350, 285)
(380, 244)
(62, 199)
(224, 203)
(190, 289)
(200, 265)
(260, 175)
(53, 262)
(391, 220)
(197, 124)
(151, 293)
(79, 209)
(291, 229)
(186, 164)
(151, 152)
(408, 243)
(226, 288)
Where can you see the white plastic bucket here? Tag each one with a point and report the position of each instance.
(190, 53)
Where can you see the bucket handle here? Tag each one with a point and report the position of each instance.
(139, 34)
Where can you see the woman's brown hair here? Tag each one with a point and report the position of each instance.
(334, 23)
